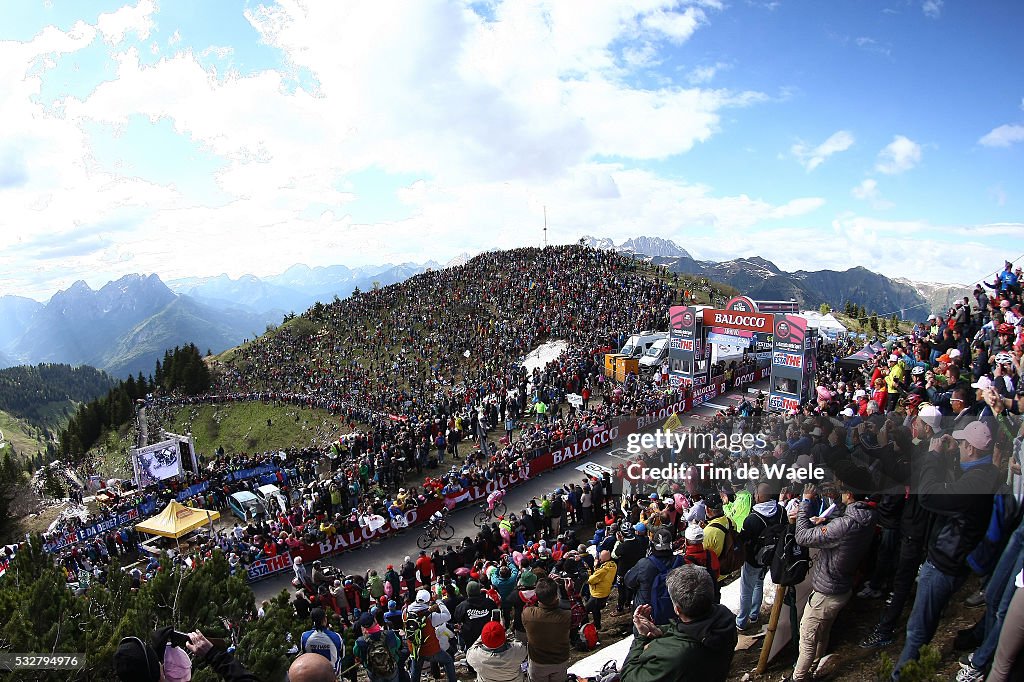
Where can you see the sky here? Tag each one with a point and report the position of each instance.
(191, 138)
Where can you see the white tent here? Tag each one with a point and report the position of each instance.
(825, 324)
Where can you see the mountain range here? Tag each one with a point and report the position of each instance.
(126, 325)
(761, 279)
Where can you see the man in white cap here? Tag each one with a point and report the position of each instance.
(961, 501)
(423, 642)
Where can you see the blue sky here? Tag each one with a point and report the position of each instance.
(194, 138)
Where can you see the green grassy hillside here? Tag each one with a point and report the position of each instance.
(22, 436)
(253, 427)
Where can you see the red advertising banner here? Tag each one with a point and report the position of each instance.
(755, 322)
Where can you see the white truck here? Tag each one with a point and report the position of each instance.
(655, 355)
(638, 344)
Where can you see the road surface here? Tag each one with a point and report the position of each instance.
(396, 547)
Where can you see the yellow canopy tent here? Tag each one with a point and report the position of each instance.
(177, 520)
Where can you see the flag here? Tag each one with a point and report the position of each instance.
(673, 422)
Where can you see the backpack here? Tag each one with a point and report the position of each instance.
(416, 624)
(790, 561)
(661, 605)
(766, 542)
(588, 637)
(379, 661)
(732, 557)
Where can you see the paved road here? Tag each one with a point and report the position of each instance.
(396, 547)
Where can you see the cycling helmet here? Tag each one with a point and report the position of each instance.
(1003, 359)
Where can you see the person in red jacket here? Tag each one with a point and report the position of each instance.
(425, 567)
(697, 554)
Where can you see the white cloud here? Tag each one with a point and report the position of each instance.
(932, 8)
(867, 191)
(1003, 136)
(838, 141)
(676, 26)
(138, 20)
(898, 156)
(705, 74)
(175, 38)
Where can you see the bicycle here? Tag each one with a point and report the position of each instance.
(486, 514)
(433, 533)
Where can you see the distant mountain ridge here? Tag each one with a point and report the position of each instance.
(125, 326)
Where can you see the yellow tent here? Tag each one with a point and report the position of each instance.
(176, 520)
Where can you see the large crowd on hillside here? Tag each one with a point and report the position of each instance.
(921, 449)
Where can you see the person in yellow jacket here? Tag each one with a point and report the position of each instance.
(600, 582)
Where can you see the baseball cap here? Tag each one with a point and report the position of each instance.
(472, 589)
(894, 358)
(932, 317)
(848, 412)
(493, 635)
(944, 358)
(953, 353)
(983, 383)
(694, 533)
(859, 393)
(975, 433)
(423, 597)
(640, 528)
(662, 541)
(931, 416)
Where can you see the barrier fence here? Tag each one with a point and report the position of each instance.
(538, 462)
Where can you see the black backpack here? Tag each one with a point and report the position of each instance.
(790, 561)
(767, 541)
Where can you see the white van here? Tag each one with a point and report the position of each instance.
(655, 355)
(638, 344)
(272, 498)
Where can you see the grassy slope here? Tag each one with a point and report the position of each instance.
(20, 434)
(243, 427)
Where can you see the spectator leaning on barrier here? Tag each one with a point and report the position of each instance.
(699, 646)
(842, 543)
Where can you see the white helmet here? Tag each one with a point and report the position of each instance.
(297, 561)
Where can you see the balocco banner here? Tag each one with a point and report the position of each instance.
(755, 322)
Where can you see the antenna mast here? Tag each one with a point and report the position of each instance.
(545, 226)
